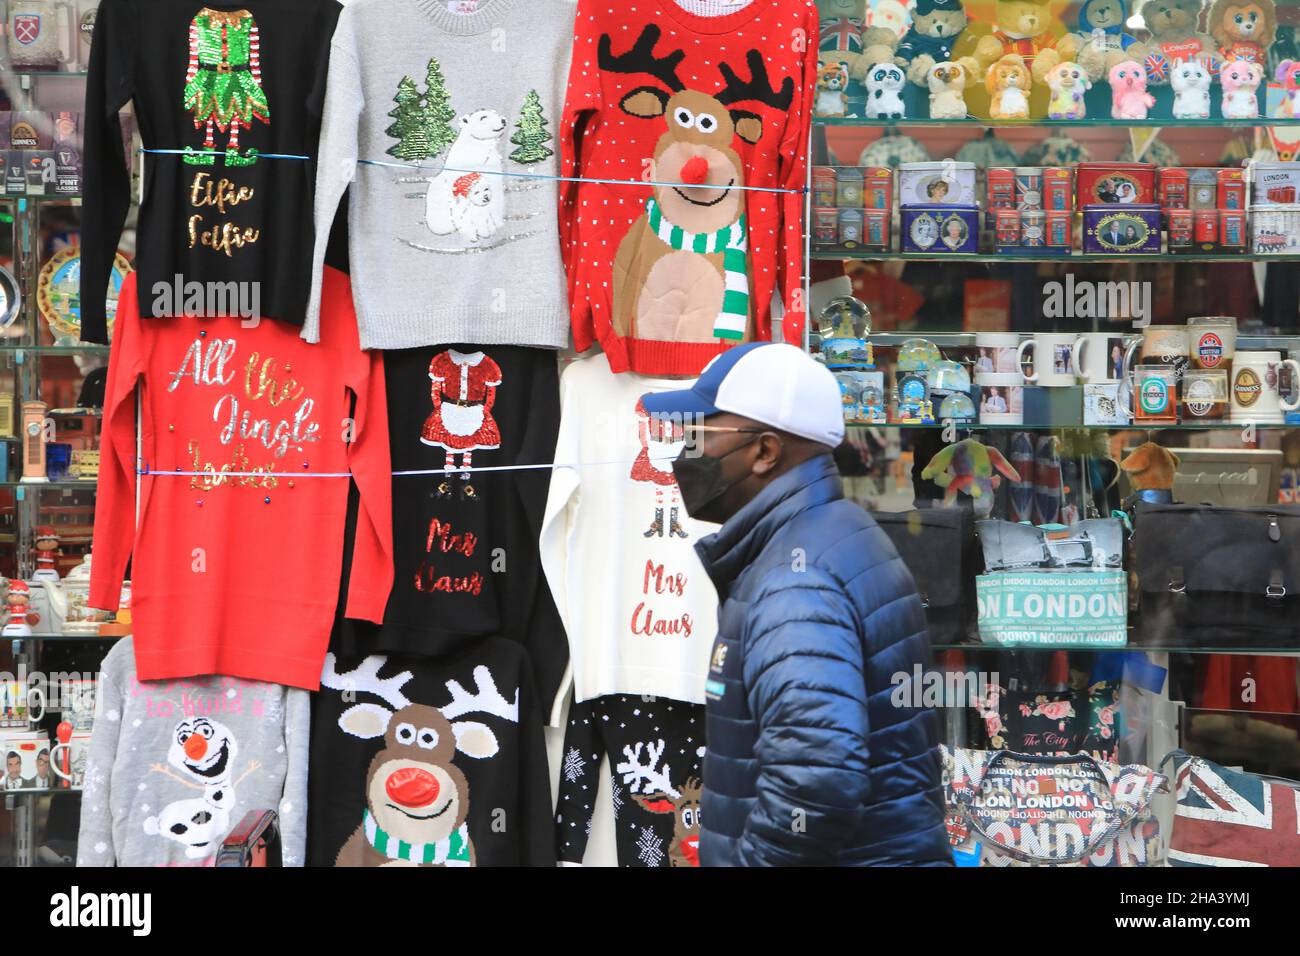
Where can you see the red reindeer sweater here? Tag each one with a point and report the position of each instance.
(238, 574)
(666, 276)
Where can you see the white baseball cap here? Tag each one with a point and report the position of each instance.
(772, 383)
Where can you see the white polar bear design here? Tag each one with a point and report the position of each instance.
(473, 206)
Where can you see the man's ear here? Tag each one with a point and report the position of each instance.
(770, 450)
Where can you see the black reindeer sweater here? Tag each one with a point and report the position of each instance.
(465, 541)
(222, 84)
(698, 102)
(441, 762)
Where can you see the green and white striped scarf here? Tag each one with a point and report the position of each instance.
(452, 850)
(733, 243)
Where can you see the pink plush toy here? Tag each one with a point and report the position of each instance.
(1240, 79)
(1128, 91)
(1288, 74)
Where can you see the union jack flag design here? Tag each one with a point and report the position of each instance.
(1228, 818)
(841, 34)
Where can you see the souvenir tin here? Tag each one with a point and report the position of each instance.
(940, 228)
(1275, 230)
(875, 229)
(823, 186)
(1232, 189)
(1059, 231)
(1232, 230)
(945, 182)
(1180, 230)
(1033, 229)
(850, 228)
(1121, 230)
(1001, 183)
(1202, 188)
(1058, 188)
(1275, 184)
(1029, 187)
(1006, 229)
(878, 188)
(826, 225)
(1116, 184)
(1173, 188)
(848, 187)
(1205, 228)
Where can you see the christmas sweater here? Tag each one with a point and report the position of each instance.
(236, 561)
(429, 762)
(666, 276)
(175, 765)
(655, 747)
(465, 540)
(438, 123)
(217, 85)
(618, 547)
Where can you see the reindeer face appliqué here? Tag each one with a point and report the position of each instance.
(417, 799)
(652, 788)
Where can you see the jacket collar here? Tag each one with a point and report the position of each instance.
(734, 546)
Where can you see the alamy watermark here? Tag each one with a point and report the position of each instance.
(1098, 300)
(241, 300)
(932, 688)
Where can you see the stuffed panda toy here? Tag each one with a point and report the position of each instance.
(884, 83)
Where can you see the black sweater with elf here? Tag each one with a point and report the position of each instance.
(221, 84)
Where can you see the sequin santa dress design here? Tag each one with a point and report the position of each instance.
(463, 392)
(661, 442)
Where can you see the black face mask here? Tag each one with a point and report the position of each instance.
(699, 479)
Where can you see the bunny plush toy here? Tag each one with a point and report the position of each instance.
(1191, 82)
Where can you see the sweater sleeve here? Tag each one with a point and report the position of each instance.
(803, 674)
(114, 531)
(336, 156)
(537, 845)
(293, 804)
(95, 845)
(107, 183)
(581, 101)
(371, 576)
(793, 175)
(579, 777)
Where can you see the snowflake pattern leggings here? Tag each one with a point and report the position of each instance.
(656, 747)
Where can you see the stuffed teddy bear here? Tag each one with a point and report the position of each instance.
(937, 26)
(1243, 29)
(841, 28)
(1191, 82)
(1008, 82)
(1288, 77)
(1174, 38)
(1031, 30)
(1129, 98)
(885, 92)
(1101, 36)
(947, 83)
(832, 87)
(1068, 83)
(1150, 469)
(1240, 80)
(968, 467)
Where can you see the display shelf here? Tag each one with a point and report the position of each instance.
(38, 791)
(1140, 426)
(74, 484)
(1289, 651)
(1100, 122)
(88, 349)
(957, 340)
(55, 638)
(993, 258)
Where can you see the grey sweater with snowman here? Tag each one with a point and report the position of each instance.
(175, 765)
(425, 108)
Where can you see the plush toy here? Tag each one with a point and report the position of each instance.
(1243, 29)
(1191, 82)
(1240, 80)
(884, 92)
(1129, 98)
(947, 82)
(841, 28)
(937, 26)
(1068, 82)
(1287, 75)
(1150, 469)
(832, 89)
(1031, 30)
(1008, 83)
(1174, 38)
(889, 15)
(969, 467)
(1102, 40)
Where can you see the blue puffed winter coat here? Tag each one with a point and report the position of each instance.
(809, 761)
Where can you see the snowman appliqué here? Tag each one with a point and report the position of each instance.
(463, 390)
(203, 753)
(661, 441)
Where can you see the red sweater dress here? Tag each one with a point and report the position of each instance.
(666, 276)
(239, 575)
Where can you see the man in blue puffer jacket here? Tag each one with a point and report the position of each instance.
(809, 760)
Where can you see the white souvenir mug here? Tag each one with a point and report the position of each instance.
(85, 29)
(40, 33)
(78, 750)
(997, 352)
(1051, 365)
(1001, 398)
(1099, 358)
(17, 703)
(77, 702)
(27, 755)
(1256, 387)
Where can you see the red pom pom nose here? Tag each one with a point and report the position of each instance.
(695, 170)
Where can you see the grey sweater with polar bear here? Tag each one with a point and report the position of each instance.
(427, 103)
(175, 765)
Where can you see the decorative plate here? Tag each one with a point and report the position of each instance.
(58, 294)
(11, 298)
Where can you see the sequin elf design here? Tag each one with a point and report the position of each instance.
(223, 82)
(464, 388)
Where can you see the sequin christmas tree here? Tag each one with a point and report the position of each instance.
(531, 134)
(421, 121)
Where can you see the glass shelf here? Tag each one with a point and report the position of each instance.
(1254, 340)
(974, 122)
(67, 638)
(1057, 426)
(993, 258)
(27, 74)
(86, 484)
(1291, 651)
(56, 349)
(36, 791)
